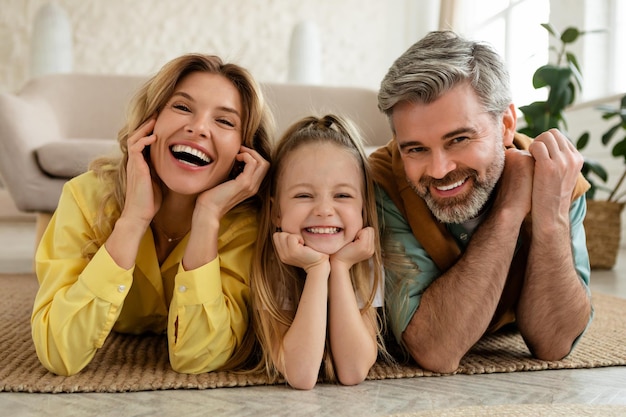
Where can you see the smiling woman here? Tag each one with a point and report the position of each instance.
(133, 245)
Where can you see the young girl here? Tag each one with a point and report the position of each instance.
(317, 277)
(160, 240)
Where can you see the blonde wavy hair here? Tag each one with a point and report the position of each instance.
(275, 284)
(149, 100)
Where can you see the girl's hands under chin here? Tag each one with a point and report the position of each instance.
(223, 197)
(292, 251)
(360, 249)
(143, 195)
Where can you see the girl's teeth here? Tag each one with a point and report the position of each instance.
(323, 230)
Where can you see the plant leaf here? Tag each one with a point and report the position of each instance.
(570, 35)
(551, 29)
(561, 95)
(537, 118)
(620, 149)
(606, 137)
(596, 168)
(582, 141)
(576, 72)
(551, 75)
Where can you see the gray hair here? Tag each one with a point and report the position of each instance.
(440, 61)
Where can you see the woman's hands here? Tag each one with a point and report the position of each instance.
(143, 195)
(213, 204)
(143, 199)
(223, 197)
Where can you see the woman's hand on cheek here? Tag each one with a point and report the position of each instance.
(360, 249)
(143, 195)
(292, 251)
(223, 197)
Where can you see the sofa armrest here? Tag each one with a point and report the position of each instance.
(71, 157)
(24, 126)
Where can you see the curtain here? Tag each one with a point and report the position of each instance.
(450, 15)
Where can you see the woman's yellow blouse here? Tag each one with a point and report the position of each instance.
(80, 301)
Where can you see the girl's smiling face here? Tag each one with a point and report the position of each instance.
(320, 196)
(198, 133)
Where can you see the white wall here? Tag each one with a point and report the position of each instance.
(592, 48)
(139, 36)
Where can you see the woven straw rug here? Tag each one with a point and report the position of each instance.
(140, 363)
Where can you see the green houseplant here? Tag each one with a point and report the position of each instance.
(603, 220)
(563, 79)
(618, 149)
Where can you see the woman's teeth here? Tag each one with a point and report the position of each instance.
(190, 156)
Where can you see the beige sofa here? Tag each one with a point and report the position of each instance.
(53, 127)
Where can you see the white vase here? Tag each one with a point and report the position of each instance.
(51, 43)
(305, 66)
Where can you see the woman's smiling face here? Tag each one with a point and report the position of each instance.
(198, 133)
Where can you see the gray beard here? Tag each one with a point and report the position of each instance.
(460, 210)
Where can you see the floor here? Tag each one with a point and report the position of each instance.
(371, 398)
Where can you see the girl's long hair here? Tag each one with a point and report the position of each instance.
(275, 284)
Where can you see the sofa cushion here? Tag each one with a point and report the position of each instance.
(71, 157)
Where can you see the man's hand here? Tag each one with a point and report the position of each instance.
(557, 166)
(516, 184)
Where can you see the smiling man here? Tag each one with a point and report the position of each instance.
(482, 227)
